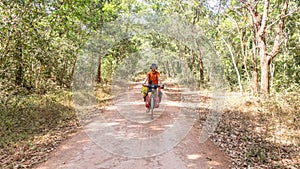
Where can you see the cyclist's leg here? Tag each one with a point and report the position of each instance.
(147, 110)
(159, 95)
(145, 97)
(149, 99)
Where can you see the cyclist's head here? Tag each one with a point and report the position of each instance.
(153, 67)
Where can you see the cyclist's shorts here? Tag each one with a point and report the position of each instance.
(149, 89)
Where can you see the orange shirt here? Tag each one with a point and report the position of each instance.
(153, 76)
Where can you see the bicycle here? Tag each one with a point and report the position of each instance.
(153, 89)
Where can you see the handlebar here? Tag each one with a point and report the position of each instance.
(154, 86)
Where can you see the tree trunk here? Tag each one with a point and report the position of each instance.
(193, 63)
(264, 63)
(255, 78)
(72, 71)
(173, 69)
(19, 74)
(201, 71)
(99, 70)
(254, 26)
(242, 35)
(266, 58)
(200, 62)
(265, 76)
(258, 28)
(254, 64)
(167, 69)
(19, 71)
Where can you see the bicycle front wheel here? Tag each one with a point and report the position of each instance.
(152, 106)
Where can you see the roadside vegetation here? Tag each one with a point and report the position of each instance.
(256, 43)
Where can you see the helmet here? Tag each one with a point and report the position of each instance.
(153, 64)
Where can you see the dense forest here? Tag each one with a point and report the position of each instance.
(251, 48)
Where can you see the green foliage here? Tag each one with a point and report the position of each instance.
(23, 117)
(42, 41)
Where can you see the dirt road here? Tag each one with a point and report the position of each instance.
(128, 118)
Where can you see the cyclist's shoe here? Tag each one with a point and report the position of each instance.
(147, 110)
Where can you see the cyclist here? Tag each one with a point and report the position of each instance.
(153, 77)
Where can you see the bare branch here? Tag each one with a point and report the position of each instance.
(235, 66)
(289, 14)
(264, 18)
(278, 38)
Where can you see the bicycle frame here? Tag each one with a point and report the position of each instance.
(153, 95)
(152, 100)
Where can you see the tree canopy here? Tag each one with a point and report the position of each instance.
(251, 47)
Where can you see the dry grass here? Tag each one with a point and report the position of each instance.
(275, 116)
(32, 126)
(261, 132)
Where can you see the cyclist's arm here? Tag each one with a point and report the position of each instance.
(159, 81)
(145, 80)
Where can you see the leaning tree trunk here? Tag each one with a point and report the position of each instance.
(235, 66)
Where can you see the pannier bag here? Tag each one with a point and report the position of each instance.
(147, 102)
(144, 91)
